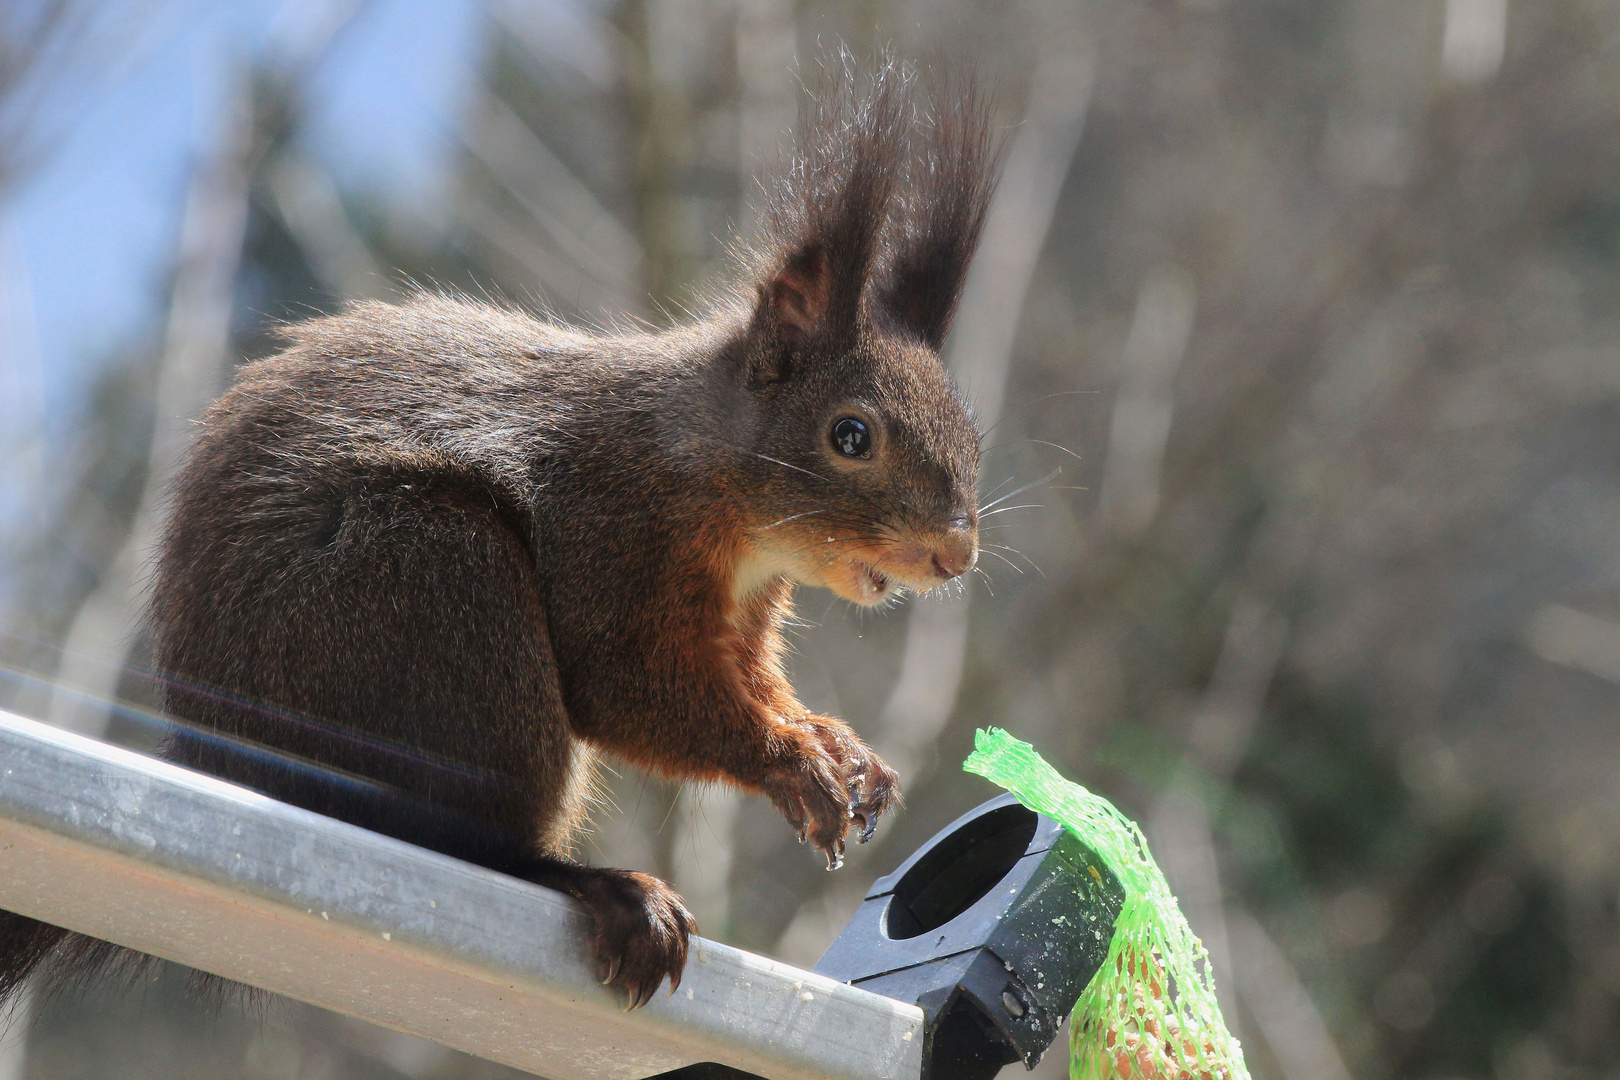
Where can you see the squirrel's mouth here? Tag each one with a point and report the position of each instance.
(872, 583)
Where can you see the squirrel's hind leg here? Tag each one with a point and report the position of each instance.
(393, 626)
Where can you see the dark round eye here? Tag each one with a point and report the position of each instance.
(851, 438)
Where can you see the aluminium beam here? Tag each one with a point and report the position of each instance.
(144, 853)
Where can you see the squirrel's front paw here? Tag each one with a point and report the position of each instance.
(836, 780)
(641, 932)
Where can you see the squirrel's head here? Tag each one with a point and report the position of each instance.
(861, 462)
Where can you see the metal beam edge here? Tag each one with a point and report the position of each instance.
(120, 846)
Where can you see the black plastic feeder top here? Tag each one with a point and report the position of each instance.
(993, 928)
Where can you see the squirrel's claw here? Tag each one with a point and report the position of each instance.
(833, 786)
(609, 969)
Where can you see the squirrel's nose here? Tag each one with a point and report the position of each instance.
(956, 551)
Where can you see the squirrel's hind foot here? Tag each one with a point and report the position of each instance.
(641, 936)
(642, 927)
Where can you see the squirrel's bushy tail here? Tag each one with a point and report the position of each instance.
(24, 943)
(58, 961)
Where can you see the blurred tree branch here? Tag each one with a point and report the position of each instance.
(46, 45)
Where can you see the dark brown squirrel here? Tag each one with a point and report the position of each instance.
(458, 551)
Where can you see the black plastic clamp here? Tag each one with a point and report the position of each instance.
(993, 928)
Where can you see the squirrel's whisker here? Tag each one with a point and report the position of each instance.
(1004, 559)
(1033, 565)
(786, 465)
(1019, 491)
(795, 517)
(999, 486)
(1021, 406)
(1056, 446)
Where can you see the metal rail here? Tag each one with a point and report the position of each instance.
(143, 853)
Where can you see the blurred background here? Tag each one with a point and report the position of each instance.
(1295, 330)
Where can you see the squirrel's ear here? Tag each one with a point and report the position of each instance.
(830, 205)
(793, 306)
(923, 277)
(798, 297)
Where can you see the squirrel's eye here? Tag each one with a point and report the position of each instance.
(851, 438)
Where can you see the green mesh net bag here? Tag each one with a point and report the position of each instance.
(1150, 1011)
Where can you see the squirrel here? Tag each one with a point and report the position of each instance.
(459, 551)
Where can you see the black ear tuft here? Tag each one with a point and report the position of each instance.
(828, 211)
(944, 215)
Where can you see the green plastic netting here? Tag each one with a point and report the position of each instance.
(1150, 1011)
